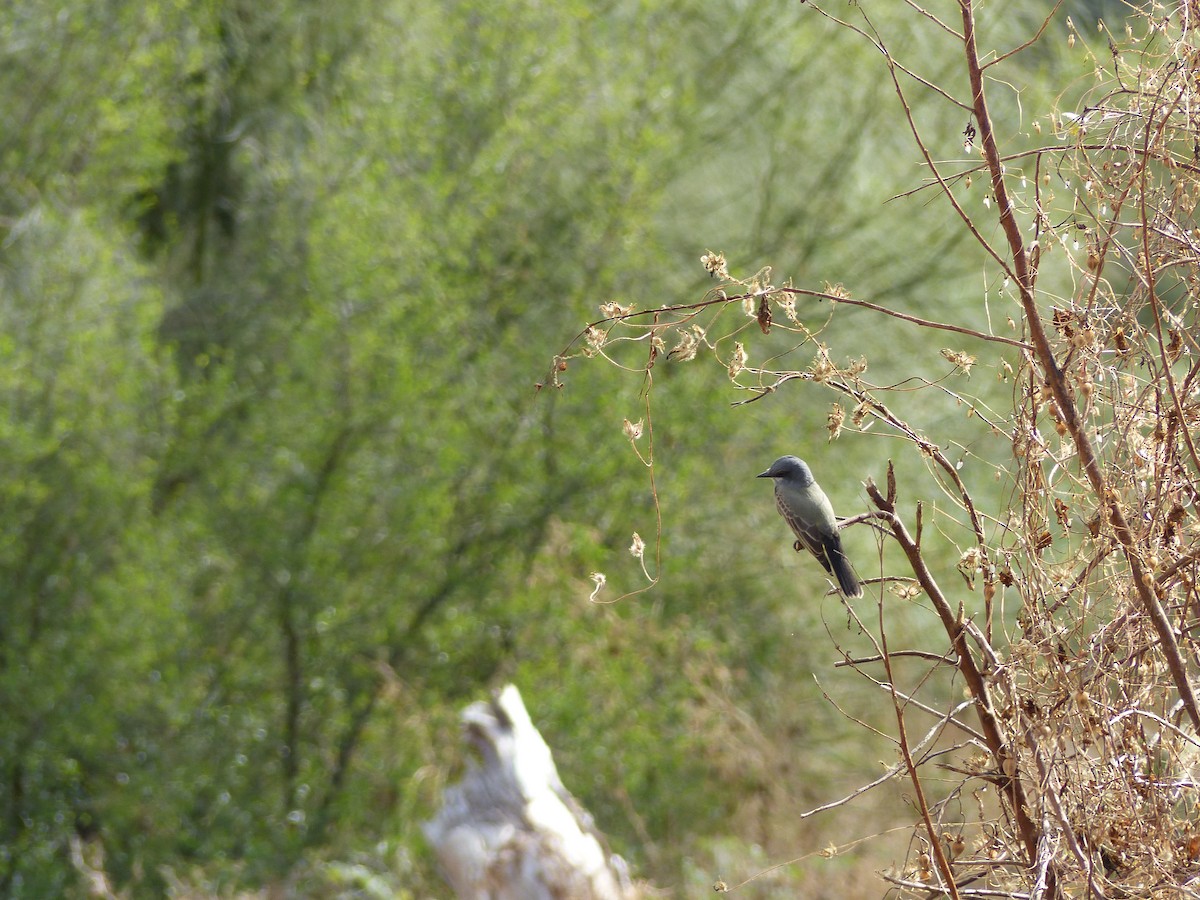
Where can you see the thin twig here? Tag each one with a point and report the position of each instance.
(896, 654)
(934, 19)
(906, 317)
(891, 61)
(924, 707)
(1050, 793)
(1029, 43)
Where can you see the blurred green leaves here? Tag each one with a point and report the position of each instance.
(276, 283)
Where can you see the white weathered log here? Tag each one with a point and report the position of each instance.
(510, 830)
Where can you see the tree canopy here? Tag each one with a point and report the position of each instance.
(303, 451)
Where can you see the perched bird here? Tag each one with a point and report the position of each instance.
(806, 508)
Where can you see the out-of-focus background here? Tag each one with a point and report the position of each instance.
(278, 496)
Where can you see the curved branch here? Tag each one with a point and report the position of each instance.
(1007, 781)
(1029, 43)
(892, 62)
(916, 320)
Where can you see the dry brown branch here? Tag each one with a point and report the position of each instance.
(1067, 407)
(877, 41)
(1025, 45)
(906, 317)
(910, 766)
(992, 733)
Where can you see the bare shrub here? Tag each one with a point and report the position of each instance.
(1071, 759)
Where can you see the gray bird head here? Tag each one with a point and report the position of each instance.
(790, 469)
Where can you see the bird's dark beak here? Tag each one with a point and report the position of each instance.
(766, 474)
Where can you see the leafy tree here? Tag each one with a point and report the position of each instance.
(277, 282)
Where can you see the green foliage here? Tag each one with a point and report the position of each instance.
(80, 389)
(276, 284)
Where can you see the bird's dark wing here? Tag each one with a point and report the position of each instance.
(826, 547)
(810, 536)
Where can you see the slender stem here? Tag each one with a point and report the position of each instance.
(1009, 784)
(936, 850)
(916, 320)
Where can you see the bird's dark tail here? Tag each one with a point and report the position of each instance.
(842, 571)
